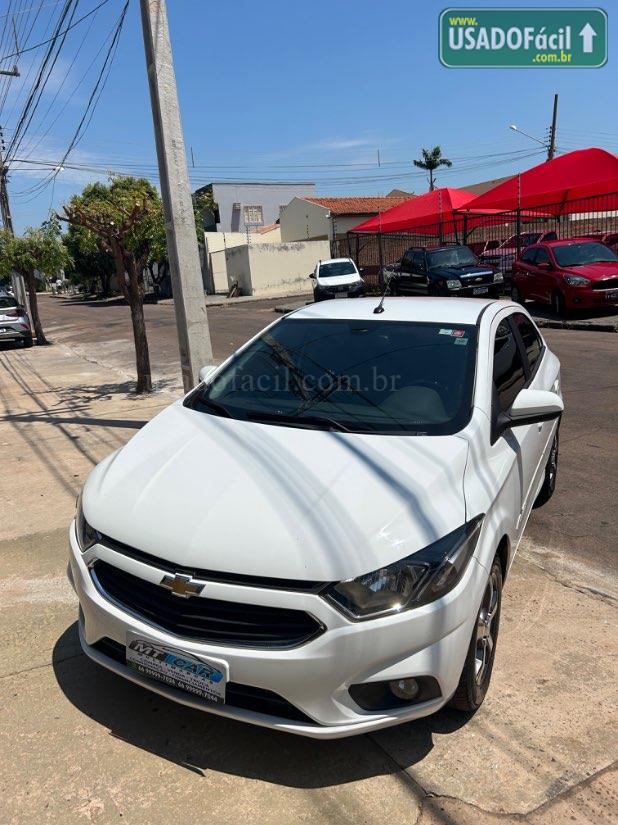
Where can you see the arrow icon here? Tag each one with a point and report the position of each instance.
(587, 35)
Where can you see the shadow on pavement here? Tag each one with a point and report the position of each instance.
(201, 742)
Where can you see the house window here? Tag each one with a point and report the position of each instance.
(254, 216)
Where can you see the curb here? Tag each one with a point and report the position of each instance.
(577, 325)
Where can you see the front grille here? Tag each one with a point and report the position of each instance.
(608, 283)
(473, 279)
(245, 697)
(300, 585)
(203, 619)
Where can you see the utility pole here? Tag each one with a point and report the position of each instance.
(19, 289)
(551, 150)
(187, 286)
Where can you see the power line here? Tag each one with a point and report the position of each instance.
(90, 106)
(59, 34)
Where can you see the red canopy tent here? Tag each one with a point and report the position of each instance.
(556, 185)
(421, 214)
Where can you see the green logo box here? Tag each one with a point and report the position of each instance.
(521, 37)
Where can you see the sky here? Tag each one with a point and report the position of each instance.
(284, 90)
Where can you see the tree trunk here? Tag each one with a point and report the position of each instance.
(105, 281)
(41, 340)
(431, 180)
(142, 355)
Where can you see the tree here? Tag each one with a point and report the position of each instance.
(37, 250)
(91, 264)
(432, 160)
(126, 216)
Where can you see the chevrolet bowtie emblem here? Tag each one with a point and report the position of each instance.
(181, 585)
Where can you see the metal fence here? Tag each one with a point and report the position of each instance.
(498, 237)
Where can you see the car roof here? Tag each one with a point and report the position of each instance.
(429, 309)
(334, 260)
(567, 241)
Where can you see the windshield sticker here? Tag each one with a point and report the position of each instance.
(454, 333)
(461, 341)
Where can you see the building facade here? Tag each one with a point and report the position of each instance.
(311, 218)
(246, 207)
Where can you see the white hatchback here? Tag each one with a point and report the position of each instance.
(315, 539)
(337, 278)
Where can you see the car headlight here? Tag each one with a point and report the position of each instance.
(576, 280)
(498, 276)
(453, 284)
(416, 580)
(86, 534)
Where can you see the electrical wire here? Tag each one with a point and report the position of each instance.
(64, 32)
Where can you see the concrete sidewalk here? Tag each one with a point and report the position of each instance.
(80, 744)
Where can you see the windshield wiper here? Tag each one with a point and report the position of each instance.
(298, 421)
(281, 354)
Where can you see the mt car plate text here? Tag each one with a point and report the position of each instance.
(176, 668)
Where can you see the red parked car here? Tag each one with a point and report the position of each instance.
(578, 273)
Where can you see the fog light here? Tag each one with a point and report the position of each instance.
(405, 689)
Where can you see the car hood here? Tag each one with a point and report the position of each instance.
(594, 272)
(264, 500)
(460, 272)
(338, 280)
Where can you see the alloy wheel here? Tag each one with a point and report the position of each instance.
(485, 628)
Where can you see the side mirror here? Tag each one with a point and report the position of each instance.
(312, 274)
(544, 265)
(531, 407)
(361, 269)
(206, 372)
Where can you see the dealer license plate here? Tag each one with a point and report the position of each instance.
(612, 296)
(480, 290)
(201, 677)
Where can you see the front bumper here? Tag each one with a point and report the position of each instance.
(315, 677)
(588, 298)
(322, 293)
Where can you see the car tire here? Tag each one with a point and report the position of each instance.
(516, 295)
(28, 342)
(551, 473)
(558, 304)
(476, 674)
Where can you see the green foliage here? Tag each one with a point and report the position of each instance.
(431, 160)
(90, 262)
(39, 250)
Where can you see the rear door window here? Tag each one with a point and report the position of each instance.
(542, 256)
(509, 374)
(530, 339)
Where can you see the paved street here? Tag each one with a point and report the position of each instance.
(79, 744)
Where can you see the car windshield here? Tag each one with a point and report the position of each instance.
(389, 377)
(578, 254)
(457, 256)
(525, 239)
(6, 302)
(337, 268)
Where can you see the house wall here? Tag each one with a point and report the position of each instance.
(271, 270)
(302, 220)
(270, 196)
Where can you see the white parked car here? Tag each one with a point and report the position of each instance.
(337, 278)
(315, 539)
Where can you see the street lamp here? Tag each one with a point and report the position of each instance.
(521, 132)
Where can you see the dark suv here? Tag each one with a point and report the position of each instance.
(443, 270)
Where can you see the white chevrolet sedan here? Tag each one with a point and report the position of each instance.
(315, 539)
